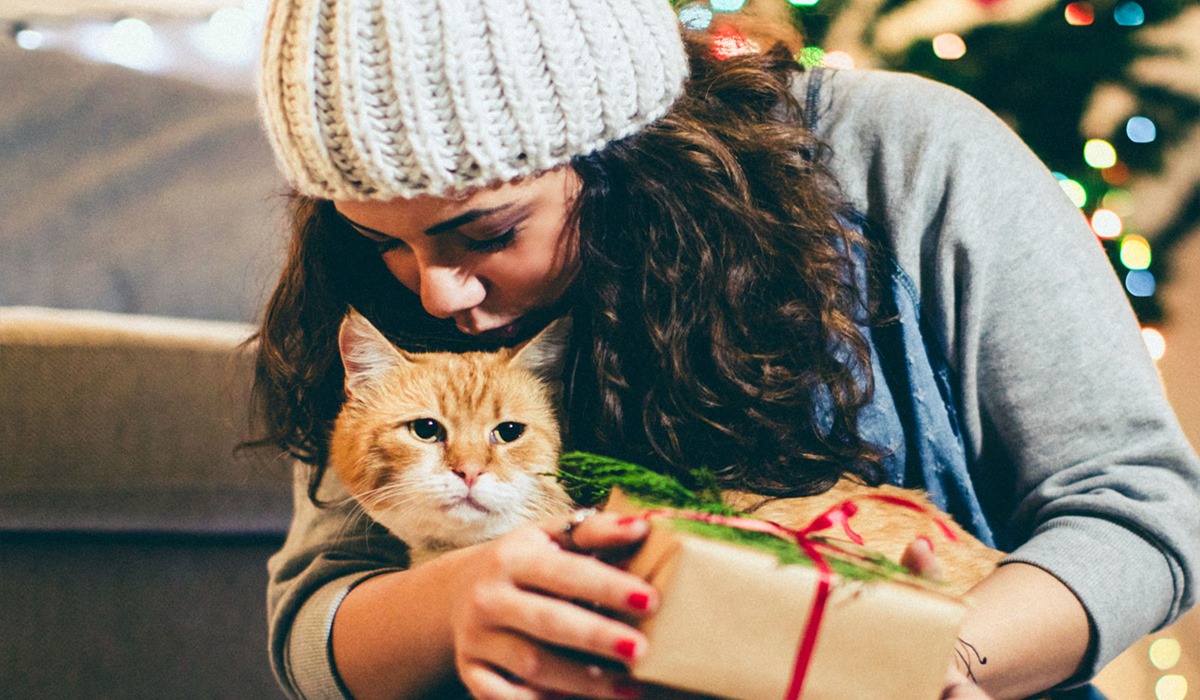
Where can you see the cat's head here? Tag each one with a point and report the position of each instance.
(449, 449)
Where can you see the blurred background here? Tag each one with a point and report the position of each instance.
(134, 176)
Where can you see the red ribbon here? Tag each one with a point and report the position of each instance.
(839, 516)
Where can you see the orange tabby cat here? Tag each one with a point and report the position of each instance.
(886, 528)
(447, 450)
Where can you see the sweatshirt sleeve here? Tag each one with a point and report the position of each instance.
(328, 551)
(1078, 458)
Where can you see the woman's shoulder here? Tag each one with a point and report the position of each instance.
(892, 135)
(885, 101)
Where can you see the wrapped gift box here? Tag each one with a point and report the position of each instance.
(732, 620)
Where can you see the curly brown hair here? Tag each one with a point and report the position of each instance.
(718, 328)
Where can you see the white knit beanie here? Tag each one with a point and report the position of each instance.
(377, 99)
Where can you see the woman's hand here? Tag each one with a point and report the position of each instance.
(920, 559)
(534, 617)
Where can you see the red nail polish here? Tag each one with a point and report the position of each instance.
(638, 600)
(626, 648)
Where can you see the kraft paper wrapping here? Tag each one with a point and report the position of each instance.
(731, 618)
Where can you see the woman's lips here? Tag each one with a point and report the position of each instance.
(505, 332)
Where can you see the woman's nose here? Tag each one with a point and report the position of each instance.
(446, 291)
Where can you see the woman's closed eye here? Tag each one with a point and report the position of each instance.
(493, 244)
(474, 245)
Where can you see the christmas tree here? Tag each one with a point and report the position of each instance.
(1106, 92)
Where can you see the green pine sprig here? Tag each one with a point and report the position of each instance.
(588, 478)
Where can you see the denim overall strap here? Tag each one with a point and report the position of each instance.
(912, 416)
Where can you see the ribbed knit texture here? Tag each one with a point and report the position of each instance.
(377, 99)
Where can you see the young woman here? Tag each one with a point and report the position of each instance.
(787, 275)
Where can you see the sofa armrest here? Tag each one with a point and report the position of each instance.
(129, 423)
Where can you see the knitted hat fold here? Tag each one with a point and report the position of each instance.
(377, 99)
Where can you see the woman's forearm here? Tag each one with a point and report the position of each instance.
(399, 615)
(1029, 627)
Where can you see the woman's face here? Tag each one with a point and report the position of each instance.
(486, 260)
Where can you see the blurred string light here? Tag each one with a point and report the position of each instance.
(1117, 175)
(1156, 344)
(1165, 653)
(228, 36)
(729, 43)
(1099, 154)
(810, 56)
(1119, 200)
(29, 39)
(1172, 687)
(1129, 14)
(838, 59)
(1107, 223)
(1140, 283)
(949, 46)
(1140, 130)
(1075, 191)
(129, 42)
(695, 17)
(1135, 252)
(726, 5)
(1080, 14)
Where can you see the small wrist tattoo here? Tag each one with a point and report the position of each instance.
(969, 655)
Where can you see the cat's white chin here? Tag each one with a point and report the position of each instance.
(465, 506)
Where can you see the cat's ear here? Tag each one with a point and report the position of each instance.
(366, 353)
(545, 353)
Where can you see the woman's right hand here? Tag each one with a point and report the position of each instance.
(534, 615)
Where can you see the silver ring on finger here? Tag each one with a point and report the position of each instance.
(568, 532)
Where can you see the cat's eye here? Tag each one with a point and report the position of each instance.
(507, 432)
(427, 430)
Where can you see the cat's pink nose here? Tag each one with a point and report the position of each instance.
(469, 473)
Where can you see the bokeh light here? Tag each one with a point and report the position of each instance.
(810, 56)
(30, 39)
(131, 42)
(1075, 191)
(1117, 175)
(1129, 14)
(1118, 200)
(696, 17)
(228, 36)
(949, 46)
(803, 3)
(1165, 653)
(726, 5)
(1156, 345)
(1140, 130)
(730, 43)
(1135, 252)
(837, 59)
(1099, 154)
(1140, 283)
(1171, 687)
(1107, 223)
(1080, 14)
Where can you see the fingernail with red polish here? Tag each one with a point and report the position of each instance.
(626, 648)
(638, 600)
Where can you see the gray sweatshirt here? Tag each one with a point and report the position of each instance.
(1078, 458)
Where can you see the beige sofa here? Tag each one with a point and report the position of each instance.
(133, 537)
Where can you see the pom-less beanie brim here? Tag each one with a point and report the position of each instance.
(378, 99)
